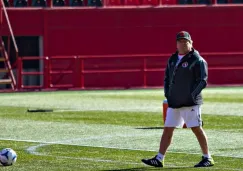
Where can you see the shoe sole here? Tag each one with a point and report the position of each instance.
(205, 166)
(144, 161)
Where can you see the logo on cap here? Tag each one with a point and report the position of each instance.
(181, 34)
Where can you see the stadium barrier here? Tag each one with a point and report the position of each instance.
(123, 71)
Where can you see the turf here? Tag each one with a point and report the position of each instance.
(145, 119)
(114, 130)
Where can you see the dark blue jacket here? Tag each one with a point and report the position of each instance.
(183, 83)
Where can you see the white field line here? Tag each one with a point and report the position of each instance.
(33, 149)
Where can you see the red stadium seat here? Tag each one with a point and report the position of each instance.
(169, 2)
(39, 3)
(150, 2)
(11, 3)
(132, 2)
(114, 2)
(20, 3)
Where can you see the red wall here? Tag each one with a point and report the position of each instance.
(99, 31)
(131, 30)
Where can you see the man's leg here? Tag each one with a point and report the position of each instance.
(192, 117)
(202, 139)
(166, 139)
(173, 119)
(207, 160)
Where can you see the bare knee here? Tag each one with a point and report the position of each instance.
(197, 130)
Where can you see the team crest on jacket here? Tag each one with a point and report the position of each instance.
(185, 64)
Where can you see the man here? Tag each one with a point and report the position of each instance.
(185, 77)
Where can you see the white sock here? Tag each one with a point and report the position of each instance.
(207, 156)
(160, 157)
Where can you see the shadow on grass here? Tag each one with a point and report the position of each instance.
(151, 128)
(148, 168)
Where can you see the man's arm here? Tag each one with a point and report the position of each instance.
(166, 80)
(201, 71)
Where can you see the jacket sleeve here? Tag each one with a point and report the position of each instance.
(166, 80)
(201, 72)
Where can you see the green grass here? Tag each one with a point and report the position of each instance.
(114, 130)
(144, 119)
(63, 157)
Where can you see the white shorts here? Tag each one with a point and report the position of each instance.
(189, 115)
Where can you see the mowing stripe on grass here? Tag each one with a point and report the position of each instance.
(33, 150)
(120, 137)
(139, 100)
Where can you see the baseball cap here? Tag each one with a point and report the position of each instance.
(183, 35)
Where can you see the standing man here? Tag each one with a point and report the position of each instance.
(185, 77)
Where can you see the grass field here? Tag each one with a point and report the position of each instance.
(114, 130)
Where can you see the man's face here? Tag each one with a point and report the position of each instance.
(184, 46)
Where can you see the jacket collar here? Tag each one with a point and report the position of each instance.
(191, 52)
(188, 55)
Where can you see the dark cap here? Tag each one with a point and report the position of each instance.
(183, 35)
